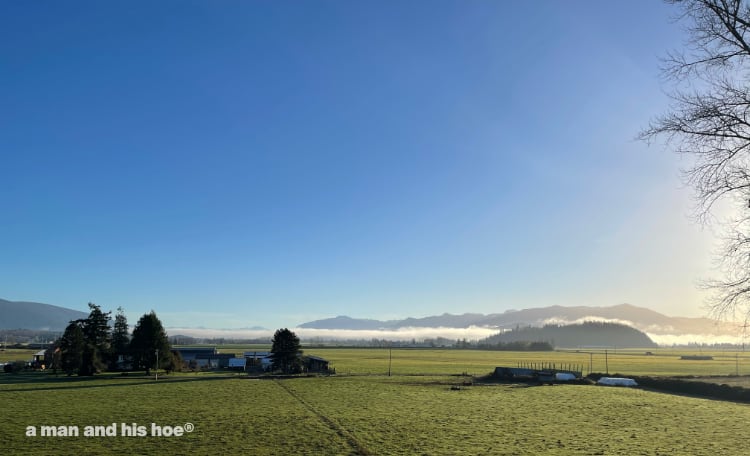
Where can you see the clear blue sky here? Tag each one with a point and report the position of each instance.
(233, 164)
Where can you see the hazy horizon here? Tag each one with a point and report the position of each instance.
(420, 334)
(268, 164)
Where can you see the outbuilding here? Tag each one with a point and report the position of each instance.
(316, 364)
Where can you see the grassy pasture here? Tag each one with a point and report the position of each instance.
(379, 415)
(16, 354)
(479, 362)
(412, 412)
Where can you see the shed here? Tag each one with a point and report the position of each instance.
(315, 363)
(237, 363)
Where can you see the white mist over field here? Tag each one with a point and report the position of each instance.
(472, 333)
(660, 336)
(667, 340)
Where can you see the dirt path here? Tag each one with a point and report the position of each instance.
(357, 447)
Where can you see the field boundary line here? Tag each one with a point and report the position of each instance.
(337, 428)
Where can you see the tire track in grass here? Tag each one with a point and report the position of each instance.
(356, 445)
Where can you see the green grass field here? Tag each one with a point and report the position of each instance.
(413, 412)
(479, 362)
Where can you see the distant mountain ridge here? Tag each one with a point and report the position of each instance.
(36, 316)
(641, 318)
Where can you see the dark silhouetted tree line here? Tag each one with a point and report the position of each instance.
(90, 345)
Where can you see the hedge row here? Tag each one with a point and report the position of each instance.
(696, 388)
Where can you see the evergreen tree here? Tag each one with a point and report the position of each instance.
(120, 337)
(97, 337)
(56, 360)
(96, 328)
(72, 345)
(148, 338)
(286, 352)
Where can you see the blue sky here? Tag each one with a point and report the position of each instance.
(238, 164)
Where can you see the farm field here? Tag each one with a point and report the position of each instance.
(13, 354)
(398, 415)
(661, 362)
(411, 412)
(355, 361)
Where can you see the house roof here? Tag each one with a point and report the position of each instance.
(257, 354)
(317, 358)
(214, 356)
(195, 350)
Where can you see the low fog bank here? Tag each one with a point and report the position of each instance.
(668, 340)
(471, 334)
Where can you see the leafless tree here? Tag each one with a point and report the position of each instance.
(709, 121)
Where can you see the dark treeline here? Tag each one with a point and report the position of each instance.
(517, 346)
(189, 340)
(91, 345)
(584, 334)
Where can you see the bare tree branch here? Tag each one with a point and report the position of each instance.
(710, 121)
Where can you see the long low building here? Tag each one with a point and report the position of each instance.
(262, 360)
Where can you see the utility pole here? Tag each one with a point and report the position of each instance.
(156, 376)
(390, 359)
(606, 361)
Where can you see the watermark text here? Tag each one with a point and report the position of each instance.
(111, 430)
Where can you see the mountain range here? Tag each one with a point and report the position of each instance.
(643, 319)
(664, 329)
(36, 316)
